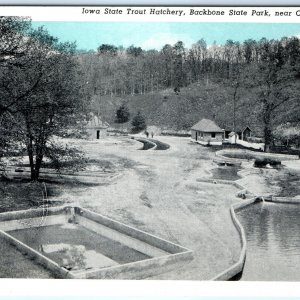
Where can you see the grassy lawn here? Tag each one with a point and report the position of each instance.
(19, 195)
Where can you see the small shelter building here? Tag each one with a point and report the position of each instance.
(243, 133)
(207, 132)
(96, 128)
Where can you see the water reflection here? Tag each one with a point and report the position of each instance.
(76, 257)
(226, 173)
(273, 237)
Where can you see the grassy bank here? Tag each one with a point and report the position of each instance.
(19, 195)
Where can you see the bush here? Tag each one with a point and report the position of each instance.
(261, 162)
(138, 123)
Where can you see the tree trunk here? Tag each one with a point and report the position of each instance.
(267, 126)
(31, 160)
(30, 153)
(37, 167)
(234, 110)
(35, 175)
(268, 138)
(34, 166)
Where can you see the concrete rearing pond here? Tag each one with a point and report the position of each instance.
(269, 233)
(74, 242)
(273, 241)
(269, 230)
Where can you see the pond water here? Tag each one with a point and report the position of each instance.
(226, 173)
(160, 145)
(150, 143)
(146, 144)
(76, 248)
(273, 241)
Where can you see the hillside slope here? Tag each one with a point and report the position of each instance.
(181, 111)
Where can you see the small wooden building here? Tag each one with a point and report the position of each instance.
(96, 128)
(243, 133)
(207, 132)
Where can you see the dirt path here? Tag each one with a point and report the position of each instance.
(158, 192)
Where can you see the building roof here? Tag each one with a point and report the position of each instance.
(239, 129)
(206, 125)
(96, 122)
(244, 128)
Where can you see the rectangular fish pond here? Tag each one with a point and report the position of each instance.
(74, 242)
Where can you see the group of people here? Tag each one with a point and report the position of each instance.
(147, 134)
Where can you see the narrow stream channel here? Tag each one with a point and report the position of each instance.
(150, 143)
(273, 241)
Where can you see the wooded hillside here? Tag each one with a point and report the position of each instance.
(254, 83)
(251, 83)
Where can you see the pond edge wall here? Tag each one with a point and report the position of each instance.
(176, 256)
(238, 267)
(39, 258)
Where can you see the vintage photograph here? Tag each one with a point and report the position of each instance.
(149, 150)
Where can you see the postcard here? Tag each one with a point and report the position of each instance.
(150, 143)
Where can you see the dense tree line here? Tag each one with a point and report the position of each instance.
(47, 87)
(119, 71)
(256, 79)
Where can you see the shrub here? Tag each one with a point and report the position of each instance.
(261, 162)
(138, 123)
